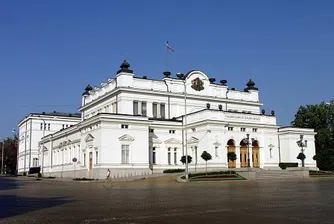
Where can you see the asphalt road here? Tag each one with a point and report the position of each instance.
(162, 200)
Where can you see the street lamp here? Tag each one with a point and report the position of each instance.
(302, 144)
(197, 84)
(44, 127)
(248, 160)
(3, 150)
(16, 133)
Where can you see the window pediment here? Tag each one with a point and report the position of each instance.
(126, 137)
(156, 141)
(192, 140)
(89, 138)
(173, 141)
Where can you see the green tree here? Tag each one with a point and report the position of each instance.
(206, 156)
(320, 117)
(231, 156)
(10, 155)
(183, 159)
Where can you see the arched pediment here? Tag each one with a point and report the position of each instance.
(193, 140)
(89, 138)
(173, 141)
(126, 137)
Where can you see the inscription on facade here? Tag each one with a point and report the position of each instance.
(242, 117)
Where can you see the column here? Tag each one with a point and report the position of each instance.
(237, 149)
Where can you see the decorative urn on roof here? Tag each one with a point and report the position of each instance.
(125, 67)
(250, 85)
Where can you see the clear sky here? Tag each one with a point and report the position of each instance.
(50, 50)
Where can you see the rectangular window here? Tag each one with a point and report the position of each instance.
(49, 126)
(41, 126)
(193, 129)
(153, 156)
(63, 126)
(125, 154)
(151, 130)
(124, 126)
(243, 129)
(96, 157)
(175, 156)
(44, 126)
(135, 107)
(254, 129)
(171, 131)
(155, 110)
(169, 159)
(84, 159)
(230, 128)
(143, 109)
(162, 110)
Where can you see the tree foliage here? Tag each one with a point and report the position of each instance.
(320, 117)
(206, 156)
(183, 159)
(231, 156)
(301, 156)
(10, 155)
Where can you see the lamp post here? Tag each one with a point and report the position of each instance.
(44, 127)
(197, 84)
(16, 133)
(2, 153)
(302, 144)
(248, 160)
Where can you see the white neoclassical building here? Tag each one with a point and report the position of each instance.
(136, 125)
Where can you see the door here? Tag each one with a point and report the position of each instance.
(243, 156)
(231, 164)
(256, 157)
(90, 160)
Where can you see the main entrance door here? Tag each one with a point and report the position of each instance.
(231, 148)
(256, 154)
(90, 160)
(243, 153)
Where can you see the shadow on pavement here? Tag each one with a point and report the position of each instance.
(12, 205)
(9, 183)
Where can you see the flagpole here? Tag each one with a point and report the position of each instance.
(167, 57)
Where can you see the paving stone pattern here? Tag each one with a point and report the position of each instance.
(163, 200)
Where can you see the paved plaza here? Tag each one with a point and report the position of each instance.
(163, 200)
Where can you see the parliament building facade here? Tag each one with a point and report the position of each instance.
(139, 126)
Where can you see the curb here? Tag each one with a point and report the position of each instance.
(180, 180)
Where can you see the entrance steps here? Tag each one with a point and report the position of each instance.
(275, 174)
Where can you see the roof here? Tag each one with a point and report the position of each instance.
(55, 113)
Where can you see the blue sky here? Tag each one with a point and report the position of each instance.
(50, 50)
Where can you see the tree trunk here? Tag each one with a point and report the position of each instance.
(206, 167)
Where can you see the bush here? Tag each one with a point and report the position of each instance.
(50, 177)
(212, 173)
(24, 174)
(174, 171)
(283, 166)
(39, 175)
(80, 179)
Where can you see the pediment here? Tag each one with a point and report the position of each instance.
(89, 138)
(126, 137)
(173, 141)
(192, 140)
(156, 141)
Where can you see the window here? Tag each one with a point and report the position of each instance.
(271, 151)
(216, 151)
(155, 110)
(254, 129)
(135, 107)
(96, 157)
(162, 110)
(193, 129)
(63, 126)
(84, 159)
(41, 126)
(44, 126)
(124, 126)
(175, 156)
(151, 130)
(143, 108)
(230, 128)
(35, 162)
(125, 154)
(169, 162)
(171, 131)
(243, 129)
(49, 127)
(154, 156)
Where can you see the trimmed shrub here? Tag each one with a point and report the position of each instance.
(283, 166)
(174, 171)
(212, 173)
(85, 179)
